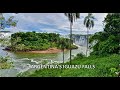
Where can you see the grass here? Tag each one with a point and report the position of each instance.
(104, 67)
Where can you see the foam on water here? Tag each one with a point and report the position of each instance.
(20, 63)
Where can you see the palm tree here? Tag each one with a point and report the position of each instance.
(62, 45)
(89, 23)
(72, 18)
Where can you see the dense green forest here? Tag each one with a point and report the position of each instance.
(28, 41)
(107, 41)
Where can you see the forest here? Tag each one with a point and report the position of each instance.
(107, 41)
(30, 41)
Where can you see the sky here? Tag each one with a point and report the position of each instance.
(53, 23)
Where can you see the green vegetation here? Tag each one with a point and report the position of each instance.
(4, 42)
(108, 41)
(36, 41)
(105, 55)
(105, 47)
(7, 23)
(4, 64)
(106, 66)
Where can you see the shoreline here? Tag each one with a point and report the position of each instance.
(48, 51)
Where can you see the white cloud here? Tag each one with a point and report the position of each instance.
(54, 22)
(98, 23)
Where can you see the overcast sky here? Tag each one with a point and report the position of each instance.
(53, 22)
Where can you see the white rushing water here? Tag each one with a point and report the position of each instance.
(21, 60)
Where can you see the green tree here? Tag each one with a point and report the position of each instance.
(36, 41)
(89, 23)
(63, 44)
(108, 41)
(72, 18)
(15, 42)
(7, 23)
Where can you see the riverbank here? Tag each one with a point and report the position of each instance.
(106, 66)
(20, 59)
(48, 51)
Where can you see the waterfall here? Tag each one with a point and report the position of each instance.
(80, 40)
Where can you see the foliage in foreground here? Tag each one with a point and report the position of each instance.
(4, 64)
(108, 41)
(106, 66)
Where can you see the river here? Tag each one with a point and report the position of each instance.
(20, 60)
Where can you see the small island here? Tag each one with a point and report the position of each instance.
(32, 42)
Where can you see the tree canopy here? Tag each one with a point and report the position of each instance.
(26, 41)
(7, 23)
(108, 41)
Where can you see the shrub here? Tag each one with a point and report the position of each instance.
(79, 56)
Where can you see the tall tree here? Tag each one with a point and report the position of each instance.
(62, 45)
(6, 23)
(72, 17)
(89, 23)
